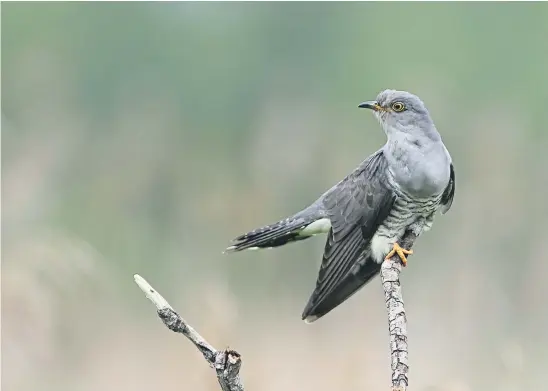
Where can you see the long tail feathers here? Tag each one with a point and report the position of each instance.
(274, 235)
(347, 287)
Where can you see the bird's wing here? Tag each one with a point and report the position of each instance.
(358, 198)
(356, 207)
(449, 192)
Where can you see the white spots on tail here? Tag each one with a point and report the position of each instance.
(232, 248)
(320, 226)
(310, 319)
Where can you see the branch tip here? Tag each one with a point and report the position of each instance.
(156, 298)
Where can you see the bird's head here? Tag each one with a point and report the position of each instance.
(400, 111)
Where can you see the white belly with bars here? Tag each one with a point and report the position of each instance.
(407, 213)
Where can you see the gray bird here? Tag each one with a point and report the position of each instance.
(398, 188)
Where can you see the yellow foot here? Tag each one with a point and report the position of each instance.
(401, 253)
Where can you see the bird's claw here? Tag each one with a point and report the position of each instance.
(401, 253)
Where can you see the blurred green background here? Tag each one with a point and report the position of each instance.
(142, 137)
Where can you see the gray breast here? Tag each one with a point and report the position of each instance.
(420, 171)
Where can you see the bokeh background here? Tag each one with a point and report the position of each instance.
(142, 137)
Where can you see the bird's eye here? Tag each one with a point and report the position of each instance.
(398, 107)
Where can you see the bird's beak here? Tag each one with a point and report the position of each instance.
(370, 104)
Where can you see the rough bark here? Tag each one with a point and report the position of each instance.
(397, 320)
(227, 363)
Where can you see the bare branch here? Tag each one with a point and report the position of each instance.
(397, 321)
(227, 363)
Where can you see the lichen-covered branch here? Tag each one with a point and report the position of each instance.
(227, 363)
(397, 321)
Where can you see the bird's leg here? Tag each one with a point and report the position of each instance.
(401, 253)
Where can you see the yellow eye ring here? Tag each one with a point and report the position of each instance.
(398, 107)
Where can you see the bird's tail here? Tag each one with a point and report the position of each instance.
(273, 235)
(348, 286)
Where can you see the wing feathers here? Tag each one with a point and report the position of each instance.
(356, 208)
(337, 261)
(449, 193)
(344, 252)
